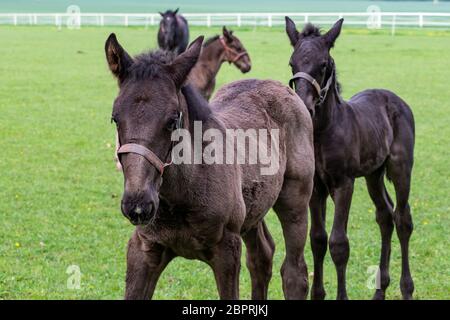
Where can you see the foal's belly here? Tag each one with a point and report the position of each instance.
(259, 196)
(189, 242)
(352, 165)
(369, 164)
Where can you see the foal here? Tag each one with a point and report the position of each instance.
(216, 51)
(369, 136)
(173, 33)
(201, 211)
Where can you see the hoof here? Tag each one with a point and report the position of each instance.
(318, 294)
(407, 297)
(379, 295)
(342, 297)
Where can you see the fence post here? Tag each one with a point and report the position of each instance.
(15, 19)
(56, 20)
(126, 20)
(306, 18)
(208, 20)
(269, 20)
(35, 19)
(102, 20)
(238, 20)
(421, 20)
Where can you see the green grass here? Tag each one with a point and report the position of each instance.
(60, 193)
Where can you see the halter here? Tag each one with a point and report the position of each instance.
(149, 155)
(228, 50)
(321, 92)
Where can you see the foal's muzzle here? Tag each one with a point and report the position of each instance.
(140, 208)
(245, 68)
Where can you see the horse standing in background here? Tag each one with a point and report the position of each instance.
(216, 51)
(370, 136)
(173, 34)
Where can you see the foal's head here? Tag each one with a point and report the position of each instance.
(146, 111)
(168, 23)
(234, 51)
(312, 57)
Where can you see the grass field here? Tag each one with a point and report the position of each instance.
(60, 193)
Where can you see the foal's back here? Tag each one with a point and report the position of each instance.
(268, 104)
(253, 103)
(381, 120)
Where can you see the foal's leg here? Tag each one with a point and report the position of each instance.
(292, 210)
(384, 217)
(260, 250)
(145, 263)
(339, 245)
(226, 263)
(400, 173)
(318, 236)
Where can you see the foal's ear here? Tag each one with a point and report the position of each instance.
(118, 59)
(292, 31)
(227, 34)
(182, 65)
(176, 11)
(333, 33)
(162, 14)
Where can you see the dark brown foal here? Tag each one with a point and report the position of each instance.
(217, 50)
(203, 210)
(369, 136)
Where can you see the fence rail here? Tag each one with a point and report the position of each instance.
(371, 19)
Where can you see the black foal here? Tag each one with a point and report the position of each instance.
(369, 136)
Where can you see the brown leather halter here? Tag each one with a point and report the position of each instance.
(149, 155)
(321, 92)
(236, 55)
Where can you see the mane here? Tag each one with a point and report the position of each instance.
(210, 40)
(338, 85)
(150, 64)
(310, 30)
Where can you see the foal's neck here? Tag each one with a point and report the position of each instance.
(211, 59)
(177, 178)
(326, 113)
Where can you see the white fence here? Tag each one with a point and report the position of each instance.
(371, 19)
